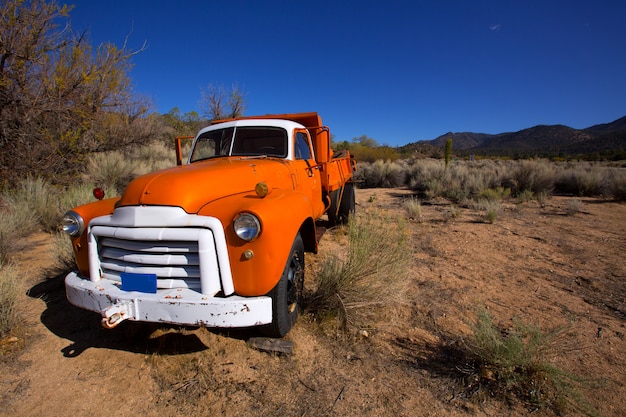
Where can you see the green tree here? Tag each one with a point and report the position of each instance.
(178, 124)
(60, 98)
(366, 141)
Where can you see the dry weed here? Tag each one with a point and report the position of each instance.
(370, 279)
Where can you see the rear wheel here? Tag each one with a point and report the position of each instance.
(287, 294)
(347, 208)
(340, 211)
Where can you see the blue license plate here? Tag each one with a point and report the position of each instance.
(139, 282)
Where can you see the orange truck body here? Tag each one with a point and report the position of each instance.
(210, 242)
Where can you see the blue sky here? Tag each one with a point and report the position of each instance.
(397, 71)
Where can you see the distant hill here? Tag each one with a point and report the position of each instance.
(607, 139)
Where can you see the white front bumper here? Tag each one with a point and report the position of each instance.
(177, 305)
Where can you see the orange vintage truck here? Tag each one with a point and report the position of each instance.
(218, 241)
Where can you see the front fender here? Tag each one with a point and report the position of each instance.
(88, 212)
(281, 213)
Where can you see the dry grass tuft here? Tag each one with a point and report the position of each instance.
(514, 362)
(9, 291)
(574, 205)
(358, 287)
(413, 207)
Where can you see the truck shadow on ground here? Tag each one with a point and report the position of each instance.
(82, 328)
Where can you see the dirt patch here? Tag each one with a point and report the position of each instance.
(533, 264)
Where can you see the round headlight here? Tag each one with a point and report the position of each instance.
(73, 224)
(247, 226)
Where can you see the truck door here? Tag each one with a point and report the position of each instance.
(307, 170)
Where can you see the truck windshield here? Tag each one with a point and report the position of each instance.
(245, 141)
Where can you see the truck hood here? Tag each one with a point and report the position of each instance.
(193, 186)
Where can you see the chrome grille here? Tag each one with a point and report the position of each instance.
(176, 256)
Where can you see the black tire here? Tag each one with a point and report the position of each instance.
(333, 210)
(287, 294)
(347, 207)
(340, 211)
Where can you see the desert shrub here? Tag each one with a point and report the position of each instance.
(490, 209)
(493, 210)
(452, 213)
(461, 181)
(617, 184)
(9, 291)
(573, 206)
(358, 287)
(423, 174)
(77, 195)
(111, 169)
(494, 194)
(582, 180)
(157, 155)
(363, 153)
(542, 198)
(380, 174)
(434, 187)
(116, 169)
(477, 180)
(413, 207)
(515, 363)
(456, 193)
(29, 204)
(37, 204)
(15, 223)
(532, 175)
(525, 196)
(592, 182)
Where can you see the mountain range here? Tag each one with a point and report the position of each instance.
(607, 139)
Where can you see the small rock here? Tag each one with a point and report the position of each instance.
(268, 344)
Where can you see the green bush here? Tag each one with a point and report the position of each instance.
(515, 362)
(364, 153)
(380, 174)
(494, 194)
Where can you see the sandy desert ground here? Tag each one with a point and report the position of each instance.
(533, 264)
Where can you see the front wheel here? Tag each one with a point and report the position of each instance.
(287, 294)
